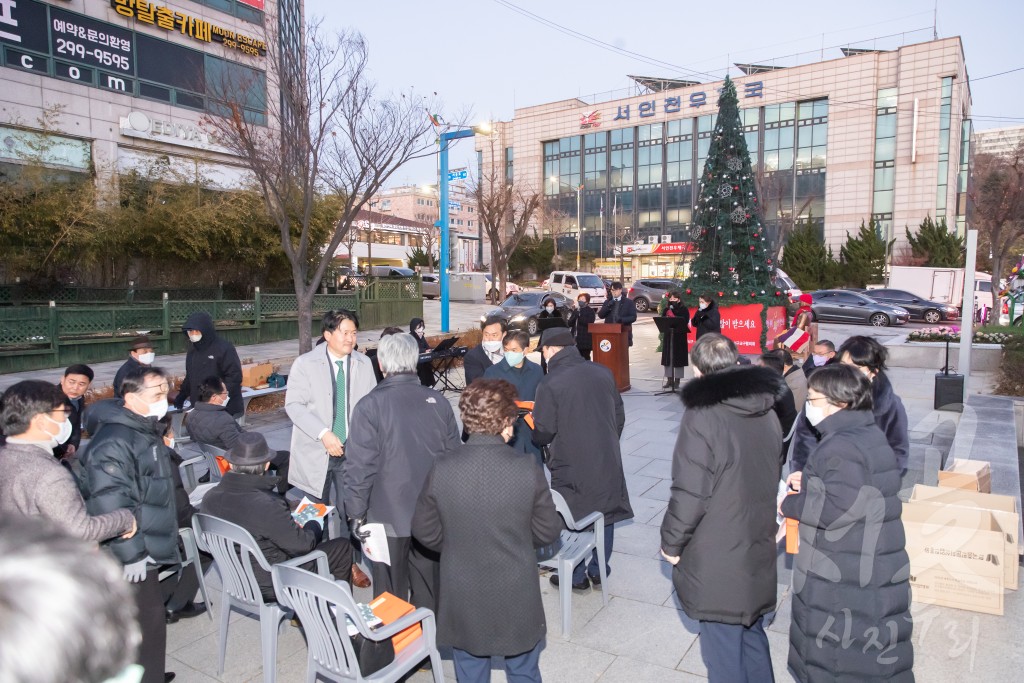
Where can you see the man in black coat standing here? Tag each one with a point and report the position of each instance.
(619, 309)
(396, 433)
(578, 414)
(75, 383)
(246, 497)
(127, 465)
(209, 355)
(719, 528)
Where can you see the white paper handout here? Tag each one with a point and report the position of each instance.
(375, 546)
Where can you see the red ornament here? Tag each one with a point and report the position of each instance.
(691, 292)
(769, 262)
(751, 248)
(752, 295)
(778, 293)
(755, 235)
(719, 294)
(735, 187)
(748, 215)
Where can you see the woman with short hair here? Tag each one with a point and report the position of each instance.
(851, 595)
(486, 509)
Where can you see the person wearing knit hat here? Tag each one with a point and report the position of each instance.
(141, 353)
(245, 496)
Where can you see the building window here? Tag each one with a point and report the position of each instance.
(885, 161)
(509, 170)
(679, 160)
(962, 175)
(945, 116)
(235, 8)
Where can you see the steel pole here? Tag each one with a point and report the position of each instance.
(967, 308)
(443, 223)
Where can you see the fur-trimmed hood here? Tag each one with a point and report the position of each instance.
(746, 389)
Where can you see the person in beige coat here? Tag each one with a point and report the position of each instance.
(319, 414)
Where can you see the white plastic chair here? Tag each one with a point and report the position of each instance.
(188, 541)
(321, 605)
(234, 549)
(190, 476)
(576, 545)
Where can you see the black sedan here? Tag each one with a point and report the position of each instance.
(522, 310)
(931, 312)
(845, 306)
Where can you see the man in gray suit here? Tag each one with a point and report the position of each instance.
(324, 385)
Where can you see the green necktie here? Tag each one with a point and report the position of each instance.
(339, 401)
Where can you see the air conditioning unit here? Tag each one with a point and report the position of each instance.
(666, 238)
(652, 239)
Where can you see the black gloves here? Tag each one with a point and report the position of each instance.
(354, 526)
(317, 529)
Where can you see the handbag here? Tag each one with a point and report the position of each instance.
(372, 655)
(794, 339)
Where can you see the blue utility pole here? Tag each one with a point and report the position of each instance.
(443, 224)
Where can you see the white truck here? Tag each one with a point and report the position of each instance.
(945, 285)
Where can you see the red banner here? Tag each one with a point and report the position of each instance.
(258, 4)
(742, 324)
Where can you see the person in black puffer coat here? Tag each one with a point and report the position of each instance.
(851, 581)
(425, 371)
(127, 465)
(706, 319)
(209, 355)
(718, 530)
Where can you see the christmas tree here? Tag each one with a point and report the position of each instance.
(733, 261)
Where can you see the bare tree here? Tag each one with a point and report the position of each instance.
(430, 238)
(996, 206)
(328, 135)
(555, 223)
(781, 218)
(505, 211)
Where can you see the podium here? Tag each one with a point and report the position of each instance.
(611, 349)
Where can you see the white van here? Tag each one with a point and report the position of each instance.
(571, 284)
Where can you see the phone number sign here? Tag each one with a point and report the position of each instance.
(83, 40)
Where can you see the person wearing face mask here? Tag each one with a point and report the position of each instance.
(34, 416)
(75, 383)
(706, 319)
(424, 371)
(486, 509)
(141, 353)
(209, 355)
(524, 375)
(127, 465)
(846, 500)
(619, 309)
(579, 324)
(488, 352)
(822, 353)
(867, 356)
(674, 358)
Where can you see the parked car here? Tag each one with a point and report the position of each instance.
(391, 271)
(929, 311)
(785, 283)
(431, 286)
(646, 293)
(572, 284)
(521, 309)
(845, 306)
(510, 289)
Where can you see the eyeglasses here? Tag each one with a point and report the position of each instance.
(818, 398)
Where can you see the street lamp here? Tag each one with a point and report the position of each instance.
(443, 224)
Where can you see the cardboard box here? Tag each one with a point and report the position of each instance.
(255, 374)
(960, 524)
(973, 475)
(955, 566)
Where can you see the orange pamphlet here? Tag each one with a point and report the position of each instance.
(390, 608)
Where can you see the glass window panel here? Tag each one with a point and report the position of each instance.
(785, 159)
(805, 136)
(886, 98)
(885, 178)
(803, 158)
(883, 201)
(751, 117)
(771, 139)
(820, 108)
(703, 144)
(944, 141)
(885, 126)
(820, 136)
(550, 148)
(818, 157)
(771, 113)
(806, 110)
(786, 137)
(751, 139)
(706, 123)
(943, 172)
(885, 149)
(771, 160)
(787, 111)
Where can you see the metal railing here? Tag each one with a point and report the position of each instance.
(34, 337)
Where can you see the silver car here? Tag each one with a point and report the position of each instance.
(431, 286)
(647, 292)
